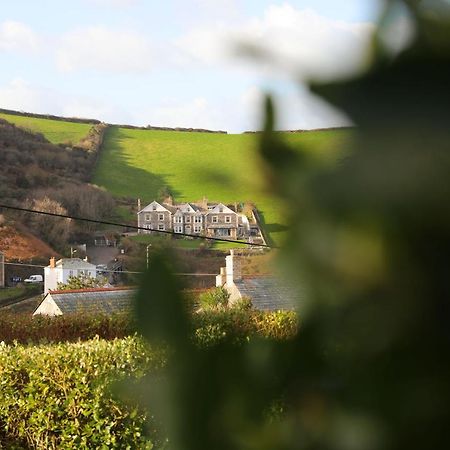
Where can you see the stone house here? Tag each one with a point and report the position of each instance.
(207, 219)
(61, 270)
(267, 292)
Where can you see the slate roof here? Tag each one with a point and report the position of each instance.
(267, 293)
(106, 301)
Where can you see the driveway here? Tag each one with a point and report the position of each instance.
(101, 255)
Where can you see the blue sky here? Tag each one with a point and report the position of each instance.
(174, 63)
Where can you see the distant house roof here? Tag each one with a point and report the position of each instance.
(104, 300)
(74, 263)
(267, 293)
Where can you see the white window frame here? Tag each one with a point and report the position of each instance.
(160, 217)
(198, 219)
(187, 219)
(215, 219)
(227, 219)
(197, 228)
(147, 217)
(154, 208)
(161, 227)
(178, 219)
(178, 229)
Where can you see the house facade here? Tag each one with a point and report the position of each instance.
(206, 219)
(60, 271)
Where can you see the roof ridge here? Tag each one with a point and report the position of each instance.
(73, 291)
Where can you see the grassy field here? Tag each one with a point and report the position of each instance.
(56, 131)
(226, 168)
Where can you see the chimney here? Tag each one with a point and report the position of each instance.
(233, 270)
(222, 278)
(205, 203)
(139, 204)
(52, 262)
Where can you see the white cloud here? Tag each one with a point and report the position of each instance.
(117, 3)
(16, 36)
(298, 109)
(314, 45)
(18, 94)
(196, 113)
(103, 49)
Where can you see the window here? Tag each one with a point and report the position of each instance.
(197, 228)
(178, 229)
(215, 219)
(220, 209)
(187, 219)
(148, 217)
(178, 219)
(198, 219)
(161, 227)
(227, 219)
(160, 217)
(154, 207)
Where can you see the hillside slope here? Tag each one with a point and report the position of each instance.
(55, 131)
(226, 168)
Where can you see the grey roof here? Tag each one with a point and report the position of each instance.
(268, 293)
(106, 301)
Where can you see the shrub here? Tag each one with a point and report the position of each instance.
(58, 396)
(65, 328)
(216, 298)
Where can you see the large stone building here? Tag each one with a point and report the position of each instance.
(207, 219)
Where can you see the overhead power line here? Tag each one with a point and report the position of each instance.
(134, 227)
(112, 271)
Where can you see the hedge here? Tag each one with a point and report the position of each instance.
(58, 396)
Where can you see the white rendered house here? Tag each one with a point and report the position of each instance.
(61, 270)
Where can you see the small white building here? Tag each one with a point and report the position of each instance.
(61, 270)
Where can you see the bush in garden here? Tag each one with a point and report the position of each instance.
(59, 396)
(214, 299)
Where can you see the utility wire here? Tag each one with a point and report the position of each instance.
(112, 271)
(134, 227)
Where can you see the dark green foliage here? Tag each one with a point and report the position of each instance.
(370, 239)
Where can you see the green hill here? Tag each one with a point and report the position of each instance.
(227, 168)
(55, 131)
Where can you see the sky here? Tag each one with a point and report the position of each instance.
(190, 63)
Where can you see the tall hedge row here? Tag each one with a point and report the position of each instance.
(58, 396)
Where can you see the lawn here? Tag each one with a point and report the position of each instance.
(184, 243)
(225, 168)
(56, 131)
